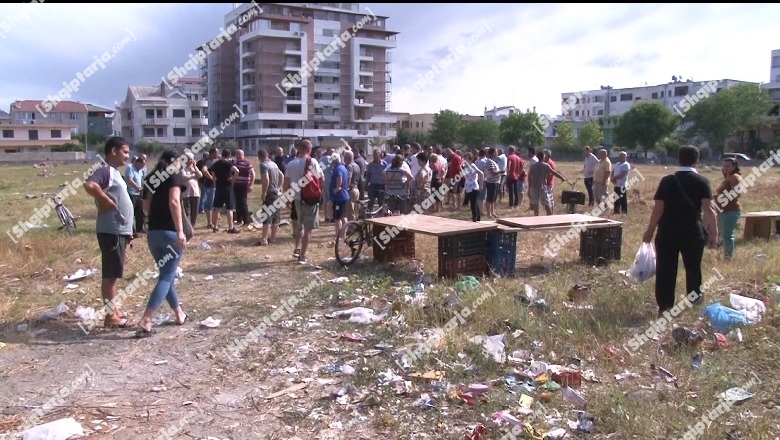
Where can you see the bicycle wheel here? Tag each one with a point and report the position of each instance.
(348, 249)
(69, 221)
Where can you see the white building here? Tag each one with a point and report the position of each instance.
(171, 116)
(677, 96)
(499, 113)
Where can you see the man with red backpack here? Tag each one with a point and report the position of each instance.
(304, 169)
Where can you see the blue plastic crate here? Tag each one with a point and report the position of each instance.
(502, 252)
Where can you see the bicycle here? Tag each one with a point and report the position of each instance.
(358, 233)
(67, 219)
(572, 198)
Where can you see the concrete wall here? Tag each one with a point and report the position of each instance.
(41, 157)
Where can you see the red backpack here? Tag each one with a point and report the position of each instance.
(311, 194)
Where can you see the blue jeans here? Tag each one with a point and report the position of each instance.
(201, 201)
(728, 223)
(207, 199)
(167, 255)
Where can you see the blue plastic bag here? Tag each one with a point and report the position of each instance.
(722, 318)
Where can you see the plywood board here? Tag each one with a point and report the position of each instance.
(761, 214)
(431, 225)
(546, 221)
(608, 224)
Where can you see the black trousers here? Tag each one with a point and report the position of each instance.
(621, 204)
(242, 207)
(139, 219)
(471, 198)
(589, 188)
(511, 185)
(668, 249)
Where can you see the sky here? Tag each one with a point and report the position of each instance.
(524, 55)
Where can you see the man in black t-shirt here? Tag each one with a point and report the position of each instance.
(680, 201)
(224, 172)
(279, 160)
(207, 184)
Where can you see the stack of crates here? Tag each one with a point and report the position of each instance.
(463, 255)
(400, 247)
(601, 245)
(502, 252)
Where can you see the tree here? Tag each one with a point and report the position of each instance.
(226, 145)
(564, 136)
(445, 128)
(149, 147)
(72, 146)
(521, 130)
(590, 134)
(478, 133)
(644, 125)
(731, 111)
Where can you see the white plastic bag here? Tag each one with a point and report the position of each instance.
(753, 309)
(644, 263)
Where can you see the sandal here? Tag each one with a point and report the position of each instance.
(183, 321)
(144, 333)
(122, 323)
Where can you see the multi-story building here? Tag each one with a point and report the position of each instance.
(169, 115)
(346, 95)
(85, 118)
(38, 138)
(581, 106)
(5, 117)
(771, 133)
(499, 113)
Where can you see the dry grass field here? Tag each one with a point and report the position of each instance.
(133, 394)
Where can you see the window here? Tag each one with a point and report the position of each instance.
(195, 132)
(318, 96)
(294, 108)
(291, 125)
(317, 110)
(681, 91)
(160, 132)
(56, 134)
(654, 95)
(178, 113)
(272, 126)
(8, 134)
(33, 135)
(577, 113)
(74, 116)
(626, 97)
(179, 132)
(150, 113)
(613, 98)
(160, 113)
(148, 132)
(329, 33)
(598, 99)
(196, 113)
(637, 98)
(601, 112)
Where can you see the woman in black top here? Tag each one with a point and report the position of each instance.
(161, 200)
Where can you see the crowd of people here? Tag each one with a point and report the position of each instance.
(167, 209)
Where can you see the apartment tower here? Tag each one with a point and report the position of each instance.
(346, 96)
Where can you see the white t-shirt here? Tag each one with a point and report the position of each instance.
(295, 171)
(618, 169)
(414, 165)
(443, 163)
(591, 163)
(501, 161)
(534, 159)
(471, 178)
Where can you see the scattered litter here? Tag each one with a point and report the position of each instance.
(555, 434)
(371, 353)
(210, 322)
(573, 397)
(425, 402)
(735, 395)
(80, 274)
(723, 318)
(578, 292)
(753, 309)
(359, 315)
(478, 388)
(664, 374)
(339, 280)
(684, 336)
(697, 361)
(2, 345)
(158, 389)
(721, 340)
(160, 362)
(644, 264)
(61, 429)
(55, 312)
(85, 313)
(466, 284)
(162, 319)
(72, 286)
(348, 369)
(493, 345)
(204, 246)
(430, 375)
(625, 375)
(509, 418)
(525, 401)
(735, 335)
(208, 278)
(352, 337)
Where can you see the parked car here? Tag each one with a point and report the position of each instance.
(738, 156)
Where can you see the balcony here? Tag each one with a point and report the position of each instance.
(365, 73)
(199, 103)
(293, 100)
(199, 121)
(366, 57)
(364, 88)
(293, 51)
(247, 54)
(363, 103)
(156, 121)
(248, 69)
(247, 86)
(292, 67)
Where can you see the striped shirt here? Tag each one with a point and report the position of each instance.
(244, 167)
